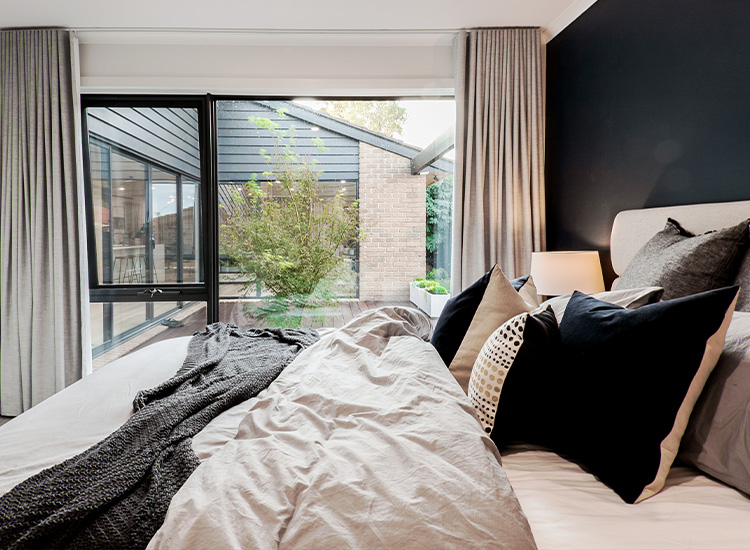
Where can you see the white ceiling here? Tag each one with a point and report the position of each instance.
(292, 17)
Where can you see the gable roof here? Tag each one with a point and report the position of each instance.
(353, 131)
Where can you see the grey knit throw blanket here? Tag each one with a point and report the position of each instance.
(116, 494)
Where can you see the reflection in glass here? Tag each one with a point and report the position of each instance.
(164, 241)
(129, 235)
(190, 225)
(144, 174)
(146, 215)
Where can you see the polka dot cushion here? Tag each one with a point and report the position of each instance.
(507, 384)
(492, 366)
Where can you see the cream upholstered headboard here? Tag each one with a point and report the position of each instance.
(632, 228)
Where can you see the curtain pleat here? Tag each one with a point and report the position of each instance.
(42, 283)
(499, 182)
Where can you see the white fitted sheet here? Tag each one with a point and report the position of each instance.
(569, 508)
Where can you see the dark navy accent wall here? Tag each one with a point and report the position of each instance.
(648, 104)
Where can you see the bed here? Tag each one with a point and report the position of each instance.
(366, 440)
(568, 507)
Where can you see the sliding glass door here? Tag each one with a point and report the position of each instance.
(260, 212)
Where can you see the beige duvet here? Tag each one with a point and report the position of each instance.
(364, 441)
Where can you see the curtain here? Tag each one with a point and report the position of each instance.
(44, 342)
(499, 182)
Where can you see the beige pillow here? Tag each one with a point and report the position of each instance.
(529, 293)
(499, 303)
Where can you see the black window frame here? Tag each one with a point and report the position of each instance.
(205, 291)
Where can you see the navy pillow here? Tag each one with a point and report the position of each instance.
(455, 319)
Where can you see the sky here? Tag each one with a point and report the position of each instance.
(426, 119)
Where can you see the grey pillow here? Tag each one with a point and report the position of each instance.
(717, 438)
(743, 280)
(684, 264)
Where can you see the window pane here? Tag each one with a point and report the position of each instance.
(128, 316)
(145, 174)
(353, 152)
(121, 327)
(96, 315)
(145, 168)
(190, 231)
(164, 242)
(101, 193)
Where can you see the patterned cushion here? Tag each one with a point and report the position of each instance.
(526, 338)
(684, 264)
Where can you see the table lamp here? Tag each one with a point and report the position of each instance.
(558, 273)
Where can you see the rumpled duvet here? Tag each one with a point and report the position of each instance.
(364, 441)
(115, 494)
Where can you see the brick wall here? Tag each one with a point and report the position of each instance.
(392, 211)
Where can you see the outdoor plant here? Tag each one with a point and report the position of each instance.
(429, 296)
(430, 286)
(441, 276)
(281, 233)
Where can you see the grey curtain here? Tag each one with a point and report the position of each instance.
(44, 343)
(499, 186)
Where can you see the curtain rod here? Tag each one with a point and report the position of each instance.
(178, 30)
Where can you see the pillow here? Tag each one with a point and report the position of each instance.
(631, 380)
(527, 291)
(615, 390)
(717, 438)
(500, 302)
(684, 264)
(630, 299)
(743, 281)
(455, 319)
(528, 343)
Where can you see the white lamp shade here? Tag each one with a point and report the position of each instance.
(558, 273)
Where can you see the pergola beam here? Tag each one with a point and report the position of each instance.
(444, 143)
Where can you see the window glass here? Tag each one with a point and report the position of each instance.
(117, 328)
(291, 173)
(146, 227)
(144, 176)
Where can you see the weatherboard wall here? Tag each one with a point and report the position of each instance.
(165, 136)
(241, 142)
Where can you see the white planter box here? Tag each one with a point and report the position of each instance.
(431, 304)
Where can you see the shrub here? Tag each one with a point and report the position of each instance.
(286, 236)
